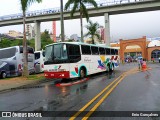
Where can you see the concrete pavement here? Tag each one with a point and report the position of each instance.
(17, 82)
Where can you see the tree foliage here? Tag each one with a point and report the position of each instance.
(5, 42)
(81, 6)
(45, 40)
(92, 30)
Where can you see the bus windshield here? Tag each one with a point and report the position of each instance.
(56, 52)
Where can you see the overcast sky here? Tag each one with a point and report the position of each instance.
(122, 26)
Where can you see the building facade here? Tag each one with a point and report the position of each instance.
(148, 49)
(15, 34)
(30, 32)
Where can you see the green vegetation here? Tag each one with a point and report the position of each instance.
(45, 40)
(92, 30)
(80, 5)
(35, 77)
(8, 43)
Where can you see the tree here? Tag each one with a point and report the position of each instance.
(24, 5)
(80, 4)
(5, 43)
(92, 30)
(45, 38)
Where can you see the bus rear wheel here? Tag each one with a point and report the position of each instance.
(3, 75)
(82, 73)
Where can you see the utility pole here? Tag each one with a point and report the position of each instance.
(62, 22)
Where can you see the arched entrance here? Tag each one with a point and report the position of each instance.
(155, 54)
(141, 42)
(132, 51)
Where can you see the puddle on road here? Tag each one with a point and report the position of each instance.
(65, 96)
(111, 75)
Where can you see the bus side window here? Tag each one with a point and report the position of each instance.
(7, 53)
(74, 53)
(112, 52)
(86, 50)
(116, 52)
(102, 51)
(30, 50)
(94, 50)
(107, 51)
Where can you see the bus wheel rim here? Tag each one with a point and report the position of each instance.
(82, 73)
(4, 75)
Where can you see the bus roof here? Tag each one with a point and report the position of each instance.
(80, 43)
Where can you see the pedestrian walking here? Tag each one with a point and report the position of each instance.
(145, 70)
(159, 59)
(144, 65)
(139, 64)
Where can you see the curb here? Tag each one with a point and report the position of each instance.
(27, 84)
(71, 83)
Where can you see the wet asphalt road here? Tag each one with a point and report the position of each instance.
(137, 92)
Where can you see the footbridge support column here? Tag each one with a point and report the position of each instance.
(37, 36)
(107, 29)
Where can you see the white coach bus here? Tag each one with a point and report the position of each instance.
(75, 59)
(11, 61)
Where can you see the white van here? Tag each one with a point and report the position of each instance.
(39, 61)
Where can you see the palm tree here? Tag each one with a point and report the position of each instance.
(80, 4)
(92, 30)
(24, 5)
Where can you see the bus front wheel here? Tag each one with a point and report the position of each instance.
(82, 73)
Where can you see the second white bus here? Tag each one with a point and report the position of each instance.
(11, 61)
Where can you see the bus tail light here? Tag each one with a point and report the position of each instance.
(19, 67)
(42, 66)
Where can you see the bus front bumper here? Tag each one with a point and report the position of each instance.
(62, 74)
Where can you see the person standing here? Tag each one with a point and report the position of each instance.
(139, 64)
(159, 59)
(144, 65)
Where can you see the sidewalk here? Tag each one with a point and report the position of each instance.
(15, 82)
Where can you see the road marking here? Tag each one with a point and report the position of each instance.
(93, 99)
(102, 99)
(97, 96)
